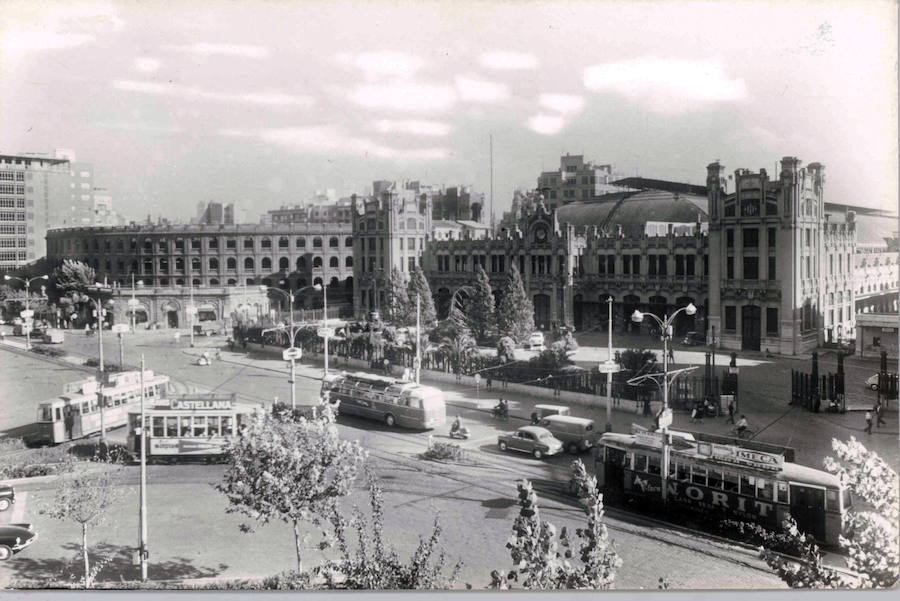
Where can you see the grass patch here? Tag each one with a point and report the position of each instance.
(44, 461)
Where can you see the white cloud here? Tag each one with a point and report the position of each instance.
(546, 124)
(265, 98)
(329, 140)
(382, 63)
(567, 104)
(666, 85)
(418, 128)
(419, 98)
(480, 90)
(21, 42)
(146, 64)
(208, 49)
(507, 60)
(144, 127)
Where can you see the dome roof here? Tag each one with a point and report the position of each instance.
(632, 210)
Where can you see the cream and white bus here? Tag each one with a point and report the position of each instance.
(387, 400)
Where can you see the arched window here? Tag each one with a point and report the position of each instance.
(333, 242)
(300, 243)
(317, 242)
(333, 262)
(348, 242)
(213, 282)
(348, 262)
(179, 264)
(195, 282)
(249, 281)
(266, 263)
(232, 282)
(284, 264)
(231, 263)
(301, 263)
(317, 262)
(195, 264)
(317, 281)
(333, 282)
(213, 263)
(179, 282)
(248, 263)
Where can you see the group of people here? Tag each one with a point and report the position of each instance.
(878, 410)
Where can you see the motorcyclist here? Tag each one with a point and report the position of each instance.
(455, 427)
(502, 408)
(535, 418)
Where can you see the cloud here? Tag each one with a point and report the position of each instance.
(143, 127)
(264, 98)
(507, 60)
(666, 85)
(22, 42)
(208, 49)
(329, 140)
(146, 64)
(566, 104)
(418, 98)
(480, 90)
(418, 128)
(57, 28)
(546, 124)
(382, 63)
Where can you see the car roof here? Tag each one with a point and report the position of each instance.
(568, 419)
(543, 406)
(536, 430)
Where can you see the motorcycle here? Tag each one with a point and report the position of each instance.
(500, 412)
(462, 433)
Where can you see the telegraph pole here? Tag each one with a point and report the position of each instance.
(418, 336)
(143, 509)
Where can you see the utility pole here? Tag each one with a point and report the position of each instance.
(191, 311)
(492, 185)
(418, 336)
(122, 350)
(325, 321)
(142, 535)
(609, 376)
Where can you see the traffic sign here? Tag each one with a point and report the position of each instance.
(665, 418)
(292, 353)
(325, 332)
(133, 302)
(26, 313)
(120, 328)
(609, 367)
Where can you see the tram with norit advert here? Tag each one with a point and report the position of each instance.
(187, 427)
(722, 481)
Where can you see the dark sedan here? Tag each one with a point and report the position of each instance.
(14, 538)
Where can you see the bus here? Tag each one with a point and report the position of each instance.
(76, 413)
(391, 401)
(191, 426)
(722, 480)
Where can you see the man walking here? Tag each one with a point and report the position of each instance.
(879, 414)
(868, 422)
(731, 411)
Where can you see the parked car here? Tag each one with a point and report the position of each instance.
(530, 439)
(872, 382)
(576, 433)
(14, 538)
(54, 336)
(535, 340)
(544, 410)
(208, 328)
(7, 496)
(694, 339)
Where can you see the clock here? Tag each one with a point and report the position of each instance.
(540, 234)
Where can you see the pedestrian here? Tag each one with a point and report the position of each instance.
(731, 411)
(695, 415)
(489, 384)
(868, 422)
(879, 414)
(230, 344)
(671, 354)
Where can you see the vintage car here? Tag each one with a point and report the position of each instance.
(694, 339)
(14, 538)
(872, 382)
(7, 496)
(530, 439)
(535, 341)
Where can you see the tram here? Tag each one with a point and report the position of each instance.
(76, 413)
(194, 426)
(387, 400)
(724, 481)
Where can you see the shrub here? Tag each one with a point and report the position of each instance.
(446, 451)
(11, 444)
(756, 535)
(36, 462)
(49, 351)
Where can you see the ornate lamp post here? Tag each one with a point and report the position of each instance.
(27, 314)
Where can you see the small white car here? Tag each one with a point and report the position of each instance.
(872, 382)
(535, 340)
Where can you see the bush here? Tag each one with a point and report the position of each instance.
(11, 444)
(49, 351)
(635, 359)
(446, 451)
(107, 367)
(756, 535)
(36, 462)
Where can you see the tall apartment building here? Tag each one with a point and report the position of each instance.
(575, 180)
(214, 213)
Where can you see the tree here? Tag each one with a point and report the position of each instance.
(636, 359)
(870, 534)
(86, 499)
(376, 566)
(418, 286)
(481, 314)
(293, 471)
(543, 558)
(515, 315)
(398, 299)
(74, 276)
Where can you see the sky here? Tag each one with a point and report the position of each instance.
(263, 103)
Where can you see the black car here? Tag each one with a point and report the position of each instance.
(7, 496)
(14, 538)
(694, 339)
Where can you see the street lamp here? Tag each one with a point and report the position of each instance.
(133, 303)
(665, 418)
(27, 313)
(100, 311)
(293, 334)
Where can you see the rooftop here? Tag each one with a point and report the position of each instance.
(632, 210)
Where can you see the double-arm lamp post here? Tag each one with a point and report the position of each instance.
(665, 416)
(27, 313)
(293, 329)
(100, 312)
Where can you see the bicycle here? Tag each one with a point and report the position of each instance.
(743, 433)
